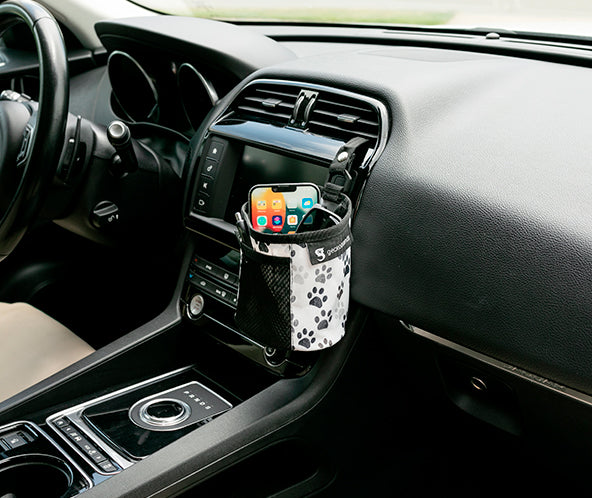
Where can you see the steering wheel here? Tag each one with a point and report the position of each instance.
(31, 134)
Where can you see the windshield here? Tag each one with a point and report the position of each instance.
(573, 17)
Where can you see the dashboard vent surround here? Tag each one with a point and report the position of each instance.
(317, 110)
(270, 103)
(344, 117)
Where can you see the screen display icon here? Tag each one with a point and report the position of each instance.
(276, 204)
(261, 221)
(276, 220)
(293, 219)
(261, 204)
(307, 203)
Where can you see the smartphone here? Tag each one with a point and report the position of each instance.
(281, 207)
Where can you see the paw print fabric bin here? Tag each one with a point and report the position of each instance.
(294, 288)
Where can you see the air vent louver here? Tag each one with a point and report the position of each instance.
(268, 103)
(344, 117)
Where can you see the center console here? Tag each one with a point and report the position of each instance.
(194, 367)
(273, 132)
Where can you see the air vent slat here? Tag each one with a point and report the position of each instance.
(276, 93)
(343, 105)
(344, 117)
(269, 103)
(336, 117)
(263, 102)
(262, 112)
(338, 132)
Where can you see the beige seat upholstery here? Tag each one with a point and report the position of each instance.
(33, 346)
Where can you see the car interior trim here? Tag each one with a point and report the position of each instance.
(501, 365)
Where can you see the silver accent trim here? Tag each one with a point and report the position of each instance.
(75, 415)
(154, 110)
(168, 395)
(163, 421)
(207, 84)
(67, 457)
(506, 367)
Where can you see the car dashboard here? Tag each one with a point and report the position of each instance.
(469, 266)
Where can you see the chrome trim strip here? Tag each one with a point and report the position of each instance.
(506, 367)
(164, 421)
(74, 413)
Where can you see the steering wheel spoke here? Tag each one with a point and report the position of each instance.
(31, 134)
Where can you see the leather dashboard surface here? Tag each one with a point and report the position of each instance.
(476, 222)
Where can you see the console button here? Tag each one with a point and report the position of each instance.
(206, 183)
(202, 202)
(213, 270)
(90, 451)
(14, 440)
(107, 466)
(220, 292)
(61, 422)
(231, 278)
(76, 437)
(216, 149)
(210, 168)
(205, 266)
(196, 306)
(202, 283)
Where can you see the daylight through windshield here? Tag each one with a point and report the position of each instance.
(552, 16)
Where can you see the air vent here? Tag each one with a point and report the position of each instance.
(343, 117)
(316, 110)
(269, 103)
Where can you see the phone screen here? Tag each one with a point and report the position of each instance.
(280, 208)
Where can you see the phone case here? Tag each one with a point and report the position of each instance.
(294, 288)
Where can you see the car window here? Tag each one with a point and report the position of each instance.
(573, 17)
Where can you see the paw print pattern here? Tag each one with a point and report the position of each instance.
(346, 259)
(305, 338)
(300, 275)
(340, 291)
(323, 274)
(316, 297)
(342, 313)
(324, 319)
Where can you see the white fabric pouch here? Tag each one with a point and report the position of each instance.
(294, 288)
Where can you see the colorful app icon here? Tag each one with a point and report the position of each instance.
(276, 220)
(293, 219)
(261, 221)
(307, 203)
(276, 204)
(261, 204)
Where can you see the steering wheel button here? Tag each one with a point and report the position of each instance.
(22, 154)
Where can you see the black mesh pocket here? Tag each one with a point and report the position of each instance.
(263, 309)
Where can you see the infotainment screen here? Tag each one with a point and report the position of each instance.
(260, 166)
